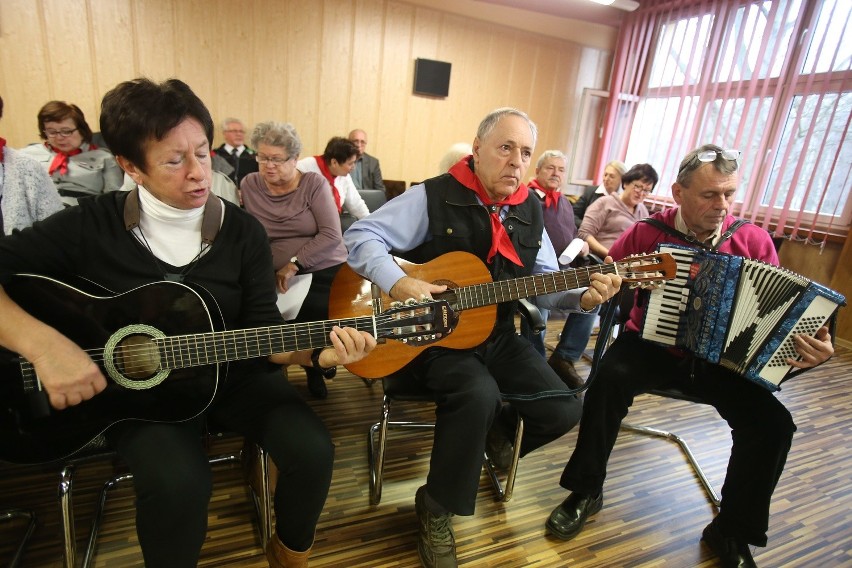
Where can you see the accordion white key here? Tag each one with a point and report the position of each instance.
(740, 313)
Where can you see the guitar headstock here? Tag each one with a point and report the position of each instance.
(416, 322)
(647, 270)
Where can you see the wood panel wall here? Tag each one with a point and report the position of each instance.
(327, 66)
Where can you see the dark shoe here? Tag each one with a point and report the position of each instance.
(499, 448)
(566, 371)
(436, 543)
(316, 382)
(732, 553)
(567, 520)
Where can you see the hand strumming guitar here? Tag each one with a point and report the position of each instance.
(67, 373)
(601, 288)
(408, 287)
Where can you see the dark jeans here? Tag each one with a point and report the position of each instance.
(470, 386)
(761, 428)
(172, 478)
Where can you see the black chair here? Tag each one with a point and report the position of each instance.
(373, 198)
(30, 516)
(98, 450)
(622, 304)
(400, 388)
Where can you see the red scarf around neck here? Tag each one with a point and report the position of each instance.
(500, 241)
(330, 177)
(2, 146)
(551, 196)
(60, 160)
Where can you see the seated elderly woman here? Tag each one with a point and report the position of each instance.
(602, 224)
(334, 165)
(78, 167)
(25, 189)
(298, 211)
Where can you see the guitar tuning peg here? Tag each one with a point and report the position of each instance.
(410, 302)
(396, 304)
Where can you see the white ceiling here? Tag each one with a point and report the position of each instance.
(583, 10)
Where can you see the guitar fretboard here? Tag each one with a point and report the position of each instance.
(180, 351)
(479, 295)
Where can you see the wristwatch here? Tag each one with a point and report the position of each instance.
(295, 260)
(327, 372)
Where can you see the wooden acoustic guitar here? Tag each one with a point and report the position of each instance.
(164, 351)
(472, 297)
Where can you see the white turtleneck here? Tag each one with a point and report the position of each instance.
(173, 235)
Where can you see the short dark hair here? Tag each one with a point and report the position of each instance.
(641, 172)
(340, 149)
(137, 111)
(57, 111)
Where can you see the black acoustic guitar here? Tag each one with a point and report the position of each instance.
(164, 351)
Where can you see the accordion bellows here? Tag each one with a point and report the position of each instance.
(740, 313)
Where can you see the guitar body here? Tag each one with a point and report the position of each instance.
(352, 295)
(33, 432)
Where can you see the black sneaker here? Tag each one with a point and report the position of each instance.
(436, 543)
(498, 447)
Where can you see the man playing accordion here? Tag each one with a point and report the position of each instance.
(762, 428)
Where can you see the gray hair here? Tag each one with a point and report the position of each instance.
(456, 152)
(230, 120)
(490, 121)
(278, 134)
(551, 154)
(690, 163)
(618, 166)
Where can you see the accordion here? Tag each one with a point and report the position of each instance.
(740, 313)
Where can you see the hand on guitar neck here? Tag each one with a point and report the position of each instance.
(601, 288)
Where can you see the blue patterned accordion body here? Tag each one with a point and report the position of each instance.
(740, 313)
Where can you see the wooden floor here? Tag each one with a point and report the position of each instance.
(653, 514)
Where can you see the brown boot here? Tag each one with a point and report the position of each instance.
(279, 556)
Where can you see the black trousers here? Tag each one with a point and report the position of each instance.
(470, 385)
(172, 477)
(761, 428)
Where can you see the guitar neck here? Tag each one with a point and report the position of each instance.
(479, 295)
(181, 351)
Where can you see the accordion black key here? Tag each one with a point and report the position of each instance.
(740, 313)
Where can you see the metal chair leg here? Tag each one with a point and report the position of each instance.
(66, 508)
(10, 514)
(504, 493)
(708, 487)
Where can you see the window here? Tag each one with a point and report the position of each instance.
(771, 78)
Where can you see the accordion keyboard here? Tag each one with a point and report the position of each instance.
(666, 304)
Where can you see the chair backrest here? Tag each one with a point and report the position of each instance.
(374, 198)
(393, 187)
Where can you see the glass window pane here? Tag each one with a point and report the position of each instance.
(833, 33)
(743, 55)
(680, 51)
(820, 174)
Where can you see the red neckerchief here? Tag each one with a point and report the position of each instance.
(500, 241)
(551, 196)
(60, 160)
(330, 177)
(2, 145)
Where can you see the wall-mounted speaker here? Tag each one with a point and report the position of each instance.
(431, 77)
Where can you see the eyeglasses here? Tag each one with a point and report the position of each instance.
(65, 132)
(643, 188)
(710, 155)
(274, 160)
(240, 130)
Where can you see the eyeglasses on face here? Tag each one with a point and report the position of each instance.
(643, 188)
(235, 130)
(710, 155)
(274, 160)
(65, 132)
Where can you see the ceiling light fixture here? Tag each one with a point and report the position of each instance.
(627, 5)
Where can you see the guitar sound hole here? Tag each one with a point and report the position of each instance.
(137, 357)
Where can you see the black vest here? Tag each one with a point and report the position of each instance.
(458, 222)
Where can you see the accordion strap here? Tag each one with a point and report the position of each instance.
(692, 240)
